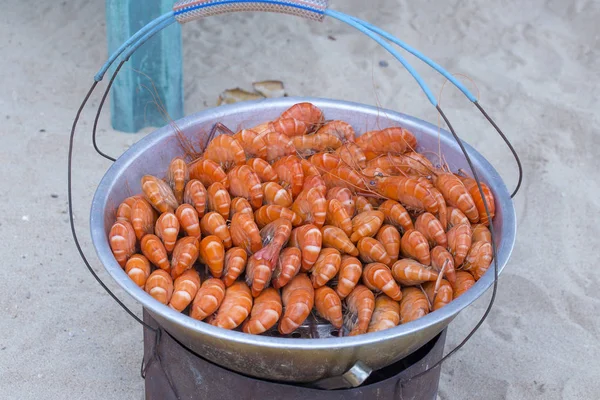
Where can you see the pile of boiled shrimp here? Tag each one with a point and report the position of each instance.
(301, 215)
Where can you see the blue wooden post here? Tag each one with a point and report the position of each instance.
(132, 103)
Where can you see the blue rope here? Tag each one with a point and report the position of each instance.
(98, 77)
(218, 3)
(348, 20)
(153, 31)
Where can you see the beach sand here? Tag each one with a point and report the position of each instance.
(535, 65)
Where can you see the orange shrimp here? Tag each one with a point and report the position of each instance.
(270, 213)
(159, 194)
(459, 242)
(326, 267)
(417, 163)
(219, 199)
(273, 193)
(167, 229)
(414, 304)
(338, 216)
(266, 311)
(288, 266)
(289, 171)
(442, 297)
(409, 272)
(235, 308)
(234, 264)
(348, 275)
(298, 298)
(414, 245)
(208, 299)
(480, 233)
(391, 140)
(160, 286)
(371, 250)
(185, 288)
(389, 237)
(336, 238)
(305, 112)
(155, 251)
(177, 177)
(196, 195)
(362, 204)
(360, 304)
(345, 197)
(124, 210)
(456, 194)
(245, 233)
(240, 205)
(214, 224)
(473, 189)
(386, 314)
(325, 161)
(464, 281)
(188, 220)
(185, 254)
(308, 169)
(408, 191)
(366, 224)
(276, 233)
(208, 172)
(278, 145)
(253, 144)
(243, 182)
(387, 164)
(478, 259)
(344, 176)
(122, 241)
(442, 213)
(352, 155)
(342, 130)
(258, 273)
(138, 269)
(225, 151)
(263, 169)
(329, 306)
(311, 207)
(317, 182)
(432, 229)
(440, 257)
(287, 126)
(378, 277)
(308, 239)
(455, 217)
(143, 217)
(307, 145)
(212, 254)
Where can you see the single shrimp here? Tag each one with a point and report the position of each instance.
(253, 144)
(276, 233)
(408, 191)
(184, 256)
(124, 210)
(308, 239)
(316, 182)
(188, 220)
(308, 169)
(432, 229)
(325, 161)
(417, 164)
(387, 164)
(185, 288)
(393, 140)
(378, 277)
(235, 308)
(389, 237)
(455, 217)
(288, 266)
(342, 130)
(138, 269)
(351, 154)
(459, 242)
(372, 251)
(329, 306)
(177, 177)
(414, 304)
(243, 182)
(278, 145)
(266, 311)
(442, 213)
(478, 259)
(263, 170)
(336, 238)
(214, 224)
(273, 193)
(219, 199)
(233, 265)
(338, 216)
(326, 267)
(298, 298)
(442, 297)
(360, 304)
(440, 257)
(208, 299)
(348, 275)
(208, 172)
(286, 126)
(160, 286)
(473, 189)
(245, 233)
(414, 245)
(195, 194)
(289, 171)
(311, 207)
(456, 194)
(306, 112)
(240, 205)
(270, 213)
(143, 218)
(212, 254)
(258, 273)
(386, 314)
(480, 233)
(122, 241)
(409, 272)
(362, 204)
(159, 194)
(225, 151)
(464, 281)
(345, 197)
(344, 176)
(366, 224)
(155, 251)
(307, 145)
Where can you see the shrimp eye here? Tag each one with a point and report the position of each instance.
(378, 174)
(372, 183)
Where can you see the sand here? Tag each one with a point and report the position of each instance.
(535, 65)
